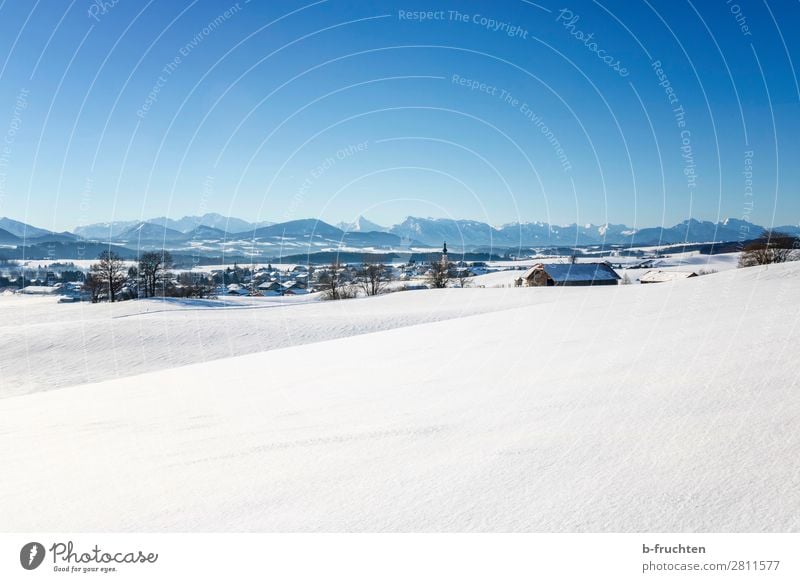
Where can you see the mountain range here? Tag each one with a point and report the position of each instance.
(214, 232)
(105, 230)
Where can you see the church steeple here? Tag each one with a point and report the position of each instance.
(444, 249)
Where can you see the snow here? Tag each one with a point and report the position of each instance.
(658, 276)
(626, 408)
(133, 337)
(692, 261)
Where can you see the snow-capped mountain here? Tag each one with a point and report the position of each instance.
(433, 231)
(106, 230)
(469, 233)
(206, 233)
(103, 230)
(214, 220)
(142, 232)
(198, 234)
(317, 232)
(361, 224)
(693, 230)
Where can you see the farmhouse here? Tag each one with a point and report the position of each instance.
(572, 274)
(664, 276)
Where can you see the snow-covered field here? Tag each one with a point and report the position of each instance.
(669, 407)
(49, 345)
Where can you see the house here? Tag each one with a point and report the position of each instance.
(571, 274)
(665, 276)
(270, 286)
(236, 289)
(294, 288)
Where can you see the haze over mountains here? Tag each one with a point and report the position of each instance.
(214, 232)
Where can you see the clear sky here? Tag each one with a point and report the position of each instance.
(642, 113)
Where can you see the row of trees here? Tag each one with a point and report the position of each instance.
(371, 278)
(374, 278)
(150, 277)
(771, 247)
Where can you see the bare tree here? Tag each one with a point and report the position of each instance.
(771, 247)
(153, 267)
(463, 275)
(111, 273)
(439, 275)
(347, 291)
(372, 278)
(93, 286)
(332, 281)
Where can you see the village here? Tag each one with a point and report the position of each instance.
(72, 281)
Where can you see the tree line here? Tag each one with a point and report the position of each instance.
(373, 278)
(151, 277)
(771, 247)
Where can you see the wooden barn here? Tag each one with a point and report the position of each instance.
(568, 275)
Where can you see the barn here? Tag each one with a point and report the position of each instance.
(569, 275)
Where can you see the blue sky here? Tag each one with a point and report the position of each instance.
(494, 111)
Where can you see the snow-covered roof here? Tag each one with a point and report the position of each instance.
(38, 290)
(575, 272)
(663, 276)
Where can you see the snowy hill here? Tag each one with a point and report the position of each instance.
(629, 408)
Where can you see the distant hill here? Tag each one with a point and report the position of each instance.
(304, 228)
(206, 233)
(374, 239)
(7, 238)
(149, 232)
(21, 229)
(58, 251)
